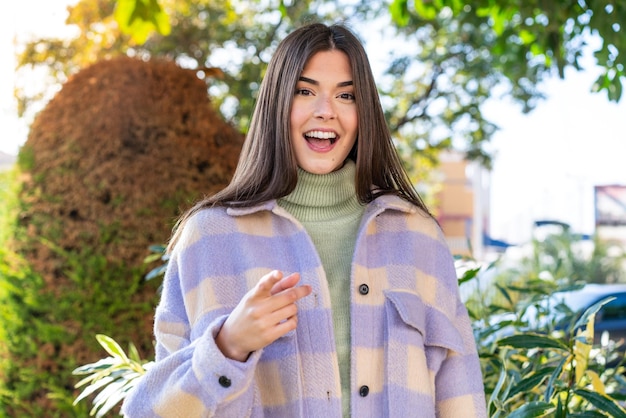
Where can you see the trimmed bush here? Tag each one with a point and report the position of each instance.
(108, 166)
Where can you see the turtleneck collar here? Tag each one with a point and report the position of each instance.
(323, 196)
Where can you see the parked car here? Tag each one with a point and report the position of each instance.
(610, 319)
(561, 310)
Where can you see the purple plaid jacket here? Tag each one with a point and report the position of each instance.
(413, 352)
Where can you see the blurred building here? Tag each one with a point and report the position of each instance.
(462, 205)
(610, 212)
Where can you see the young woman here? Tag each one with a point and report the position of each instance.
(316, 284)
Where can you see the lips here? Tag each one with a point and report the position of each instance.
(321, 140)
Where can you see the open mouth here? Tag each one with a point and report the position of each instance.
(321, 138)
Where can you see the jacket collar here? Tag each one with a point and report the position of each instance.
(378, 205)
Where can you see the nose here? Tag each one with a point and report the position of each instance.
(324, 109)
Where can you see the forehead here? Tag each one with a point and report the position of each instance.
(332, 63)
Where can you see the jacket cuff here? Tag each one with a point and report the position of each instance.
(222, 377)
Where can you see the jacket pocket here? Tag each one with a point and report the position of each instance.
(407, 310)
(418, 339)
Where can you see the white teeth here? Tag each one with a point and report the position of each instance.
(321, 135)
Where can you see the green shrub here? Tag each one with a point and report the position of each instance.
(44, 329)
(536, 371)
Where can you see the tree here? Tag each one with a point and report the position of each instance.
(447, 58)
(463, 53)
(227, 42)
(544, 34)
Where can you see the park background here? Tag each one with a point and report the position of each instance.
(546, 164)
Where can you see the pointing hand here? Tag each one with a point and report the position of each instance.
(267, 312)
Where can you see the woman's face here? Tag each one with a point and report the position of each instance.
(323, 114)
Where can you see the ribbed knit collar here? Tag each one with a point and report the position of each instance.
(318, 197)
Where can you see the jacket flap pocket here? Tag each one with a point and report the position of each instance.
(436, 328)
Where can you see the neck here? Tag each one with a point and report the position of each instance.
(323, 196)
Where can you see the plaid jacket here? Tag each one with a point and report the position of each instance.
(413, 352)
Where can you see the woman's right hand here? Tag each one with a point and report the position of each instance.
(267, 312)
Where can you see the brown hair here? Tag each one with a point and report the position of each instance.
(267, 166)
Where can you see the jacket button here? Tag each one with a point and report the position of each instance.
(364, 390)
(224, 382)
(364, 289)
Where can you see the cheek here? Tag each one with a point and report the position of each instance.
(354, 123)
(297, 115)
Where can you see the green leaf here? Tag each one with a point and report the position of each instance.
(526, 341)
(586, 414)
(553, 379)
(469, 275)
(592, 310)
(133, 354)
(152, 257)
(399, 11)
(425, 11)
(282, 9)
(92, 388)
(101, 364)
(156, 272)
(102, 399)
(112, 347)
(602, 402)
(504, 293)
(501, 380)
(533, 410)
(139, 18)
(529, 383)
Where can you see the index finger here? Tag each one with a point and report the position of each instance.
(285, 283)
(266, 285)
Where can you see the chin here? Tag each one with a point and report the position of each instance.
(320, 169)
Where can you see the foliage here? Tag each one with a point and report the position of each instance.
(458, 55)
(543, 34)
(118, 373)
(567, 257)
(139, 18)
(41, 331)
(534, 368)
(227, 42)
(445, 58)
(159, 253)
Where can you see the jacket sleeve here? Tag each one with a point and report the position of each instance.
(190, 376)
(459, 381)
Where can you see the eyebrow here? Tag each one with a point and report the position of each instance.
(316, 83)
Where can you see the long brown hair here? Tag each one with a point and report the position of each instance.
(267, 166)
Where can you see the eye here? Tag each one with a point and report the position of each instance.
(347, 96)
(303, 92)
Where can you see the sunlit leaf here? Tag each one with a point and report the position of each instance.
(596, 382)
(530, 382)
(532, 410)
(602, 402)
(591, 311)
(498, 388)
(112, 347)
(93, 388)
(140, 18)
(528, 341)
(554, 378)
(469, 275)
(399, 12)
(424, 10)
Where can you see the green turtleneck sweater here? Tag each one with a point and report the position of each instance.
(327, 206)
